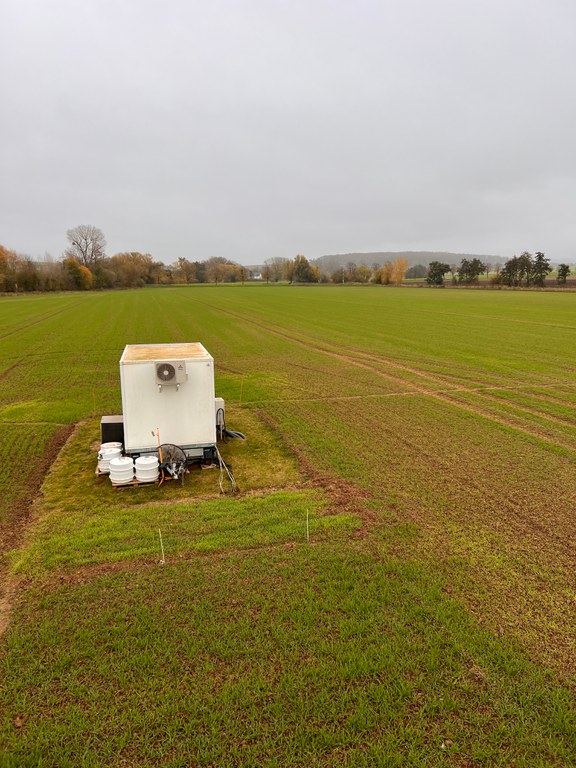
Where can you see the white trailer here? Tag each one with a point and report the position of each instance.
(168, 390)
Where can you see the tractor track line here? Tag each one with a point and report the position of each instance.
(405, 393)
(344, 353)
(8, 371)
(552, 418)
(445, 397)
(515, 519)
(547, 398)
(39, 320)
(554, 538)
(424, 390)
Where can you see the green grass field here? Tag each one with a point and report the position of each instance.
(395, 585)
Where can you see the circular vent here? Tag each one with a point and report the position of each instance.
(166, 372)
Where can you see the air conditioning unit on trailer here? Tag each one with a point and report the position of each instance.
(168, 395)
(171, 373)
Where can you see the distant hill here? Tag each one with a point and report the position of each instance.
(333, 262)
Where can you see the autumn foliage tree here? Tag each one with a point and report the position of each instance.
(185, 271)
(383, 275)
(399, 267)
(8, 269)
(80, 276)
(391, 272)
(219, 269)
(131, 269)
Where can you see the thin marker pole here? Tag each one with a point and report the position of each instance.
(161, 547)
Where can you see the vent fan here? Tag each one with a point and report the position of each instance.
(170, 373)
(165, 372)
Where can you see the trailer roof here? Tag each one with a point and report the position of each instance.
(184, 351)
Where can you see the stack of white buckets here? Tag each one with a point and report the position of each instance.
(147, 470)
(107, 452)
(122, 469)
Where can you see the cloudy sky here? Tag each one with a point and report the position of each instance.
(258, 128)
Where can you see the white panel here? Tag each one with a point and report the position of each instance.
(184, 416)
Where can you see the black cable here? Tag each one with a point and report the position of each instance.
(231, 433)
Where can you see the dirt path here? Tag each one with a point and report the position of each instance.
(12, 531)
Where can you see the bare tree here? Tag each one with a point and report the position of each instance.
(184, 270)
(266, 271)
(289, 270)
(87, 244)
(274, 269)
(218, 269)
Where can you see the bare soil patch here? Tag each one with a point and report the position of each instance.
(12, 530)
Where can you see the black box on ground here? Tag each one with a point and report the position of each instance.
(112, 429)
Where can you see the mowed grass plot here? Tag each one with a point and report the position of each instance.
(395, 583)
(83, 521)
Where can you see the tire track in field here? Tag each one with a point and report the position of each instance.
(551, 417)
(362, 359)
(39, 320)
(540, 534)
(340, 351)
(551, 399)
(8, 371)
(537, 534)
(509, 422)
(533, 539)
(485, 515)
(334, 350)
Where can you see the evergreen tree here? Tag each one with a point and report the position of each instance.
(540, 269)
(436, 272)
(563, 272)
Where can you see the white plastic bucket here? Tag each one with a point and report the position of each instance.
(147, 469)
(121, 470)
(106, 446)
(105, 456)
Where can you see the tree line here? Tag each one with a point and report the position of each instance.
(85, 266)
(525, 270)
(300, 270)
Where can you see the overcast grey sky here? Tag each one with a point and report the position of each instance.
(263, 128)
